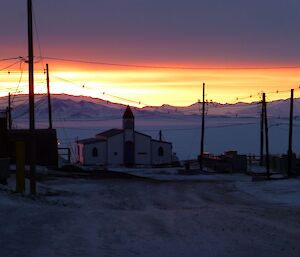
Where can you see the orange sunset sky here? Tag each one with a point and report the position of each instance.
(156, 86)
(237, 49)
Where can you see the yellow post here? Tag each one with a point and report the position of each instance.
(20, 167)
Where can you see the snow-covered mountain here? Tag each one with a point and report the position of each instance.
(69, 107)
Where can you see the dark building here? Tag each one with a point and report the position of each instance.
(45, 139)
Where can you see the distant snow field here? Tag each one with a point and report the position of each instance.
(228, 126)
(242, 134)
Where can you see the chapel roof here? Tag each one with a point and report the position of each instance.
(90, 140)
(109, 133)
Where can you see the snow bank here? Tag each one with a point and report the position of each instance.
(178, 174)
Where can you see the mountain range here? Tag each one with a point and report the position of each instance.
(70, 107)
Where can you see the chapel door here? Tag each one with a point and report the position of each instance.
(129, 153)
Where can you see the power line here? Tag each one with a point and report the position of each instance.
(171, 67)
(124, 99)
(20, 79)
(38, 39)
(104, 93)
(37, 34)
(68, 81)
(237, 99)
(11, 58)
(9, 66)
(149, 66)
(259, 95)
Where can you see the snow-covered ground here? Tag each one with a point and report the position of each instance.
(164, 213)
(179, 174)
(284, 192)
(279, 191)
(224, 216)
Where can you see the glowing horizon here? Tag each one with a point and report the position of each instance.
(155, 86)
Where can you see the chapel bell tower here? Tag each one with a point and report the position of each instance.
(128, 127)
(128, 119)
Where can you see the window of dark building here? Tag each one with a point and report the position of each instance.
(160, 151)
(95, 152)
(116, 153)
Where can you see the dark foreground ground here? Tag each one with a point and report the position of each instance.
(131, 217)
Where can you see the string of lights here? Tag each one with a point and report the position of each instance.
(103, 93)
(137, 102)
(237, 99)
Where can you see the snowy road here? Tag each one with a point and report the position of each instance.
(145, 218)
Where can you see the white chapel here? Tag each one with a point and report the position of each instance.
(124, 147)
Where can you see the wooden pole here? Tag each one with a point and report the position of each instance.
(20, 167)
(266, 135)
(9, 112)
(31, 101)
(290, 150)
(261, 162)
(203, 127)
(69, 155)
(49, 98)
(31, 69)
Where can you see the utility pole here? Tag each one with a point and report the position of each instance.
(9, 112)
(160, 135)
(31, 101)
(261, 162)
(49, 97)
(266, 135)
(290, 150)
(203, 127)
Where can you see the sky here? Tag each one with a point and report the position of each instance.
(230, 37)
